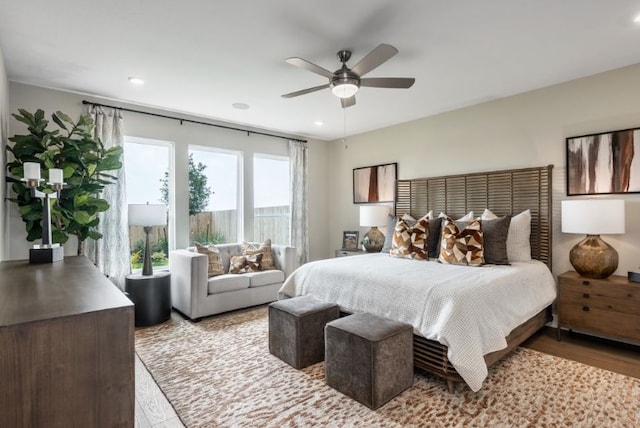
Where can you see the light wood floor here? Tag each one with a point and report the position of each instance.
(153, 409)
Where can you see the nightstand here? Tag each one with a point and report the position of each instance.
(346, 253)
(610, 307)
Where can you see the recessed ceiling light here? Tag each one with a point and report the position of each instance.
(240, 106)
(318, 123)
(136, 81)
(636, 19)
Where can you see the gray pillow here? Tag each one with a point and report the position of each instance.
(495, 234)
(388, 235)
(433, 240)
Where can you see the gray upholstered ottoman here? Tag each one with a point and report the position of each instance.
(369, 358)
(296, 329)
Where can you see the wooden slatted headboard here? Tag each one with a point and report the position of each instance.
(503, 192)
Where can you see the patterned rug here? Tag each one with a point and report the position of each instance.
(219, 373)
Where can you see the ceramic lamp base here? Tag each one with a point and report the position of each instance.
(373, 241)
(594, 258)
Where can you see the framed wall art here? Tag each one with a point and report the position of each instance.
(374, 183)
(350, 240)
(603, 163)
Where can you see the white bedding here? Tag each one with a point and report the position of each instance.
(469, 309)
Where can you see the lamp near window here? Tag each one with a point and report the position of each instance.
(373, 216)
(48, 252)
(147, 215)
(592, 257)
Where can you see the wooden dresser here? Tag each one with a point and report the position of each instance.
(66, 347)
(609, 307)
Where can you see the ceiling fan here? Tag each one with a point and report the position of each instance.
(345, 82)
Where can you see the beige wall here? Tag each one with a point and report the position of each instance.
(520, 131)
(137, 125)
(4, 118)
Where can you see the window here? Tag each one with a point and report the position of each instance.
(271, 198)
(147, 166)
(214, 195)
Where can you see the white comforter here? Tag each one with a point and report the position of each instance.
(469, 309)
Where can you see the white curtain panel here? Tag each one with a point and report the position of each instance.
(299, 202)
(111, 253)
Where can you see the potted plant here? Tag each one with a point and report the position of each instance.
(85, 163)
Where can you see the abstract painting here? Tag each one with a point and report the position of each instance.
(604, 163)
(374, 183)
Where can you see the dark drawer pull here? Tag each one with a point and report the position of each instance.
(585, 283)
(586, 295)
(585, 308)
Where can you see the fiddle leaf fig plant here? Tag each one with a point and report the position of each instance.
(85, 163)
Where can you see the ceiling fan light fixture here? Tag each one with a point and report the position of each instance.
(344, 89)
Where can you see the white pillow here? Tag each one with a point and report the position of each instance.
(466, 217)
(518, 245)
(428, 216)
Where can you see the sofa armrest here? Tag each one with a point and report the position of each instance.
(188, 281)
(286, 258)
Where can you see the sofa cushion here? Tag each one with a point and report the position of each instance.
(265, 277)
(249, 249)
(213, 255)
(227, 282)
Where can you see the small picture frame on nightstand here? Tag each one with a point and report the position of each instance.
(350, 240)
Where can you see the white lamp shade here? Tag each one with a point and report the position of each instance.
(593, 216)
(55, 176)
(147, 214)
(373, 215)
(31, 171)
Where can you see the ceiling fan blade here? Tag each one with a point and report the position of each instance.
(305, 91)
(303, 63)
(374, 58)
(348, 102)
(388, 82)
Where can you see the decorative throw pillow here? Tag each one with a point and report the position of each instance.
(267, 263)
(244, 264)
(215, 262)
(433, 240)
(461, 245)
(518, 238)
(494, 233)
(467, 217)
(410, 242)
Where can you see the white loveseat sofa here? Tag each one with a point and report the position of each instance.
(196, 295)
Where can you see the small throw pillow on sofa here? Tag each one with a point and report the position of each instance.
(244, 264)
(461, 245)
(267, 263)
(215, 262)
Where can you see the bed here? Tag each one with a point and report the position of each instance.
(464, 318)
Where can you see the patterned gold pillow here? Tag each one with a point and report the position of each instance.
(410, 242)
(215, 262)
(267, 263)
(462, 245)
(244, 264)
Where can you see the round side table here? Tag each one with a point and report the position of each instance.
(151, 296)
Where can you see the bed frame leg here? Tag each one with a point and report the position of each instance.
(451, 386)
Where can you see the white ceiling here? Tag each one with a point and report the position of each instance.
(201, 56)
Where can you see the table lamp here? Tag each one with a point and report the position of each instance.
(147, 215)
(373, 216)
(592, 257)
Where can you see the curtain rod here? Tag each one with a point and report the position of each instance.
(164, 116)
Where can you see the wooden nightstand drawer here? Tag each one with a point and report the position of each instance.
(610, 306)
(602, 296)
(347, 253)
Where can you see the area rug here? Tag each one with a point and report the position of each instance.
(219, 373)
